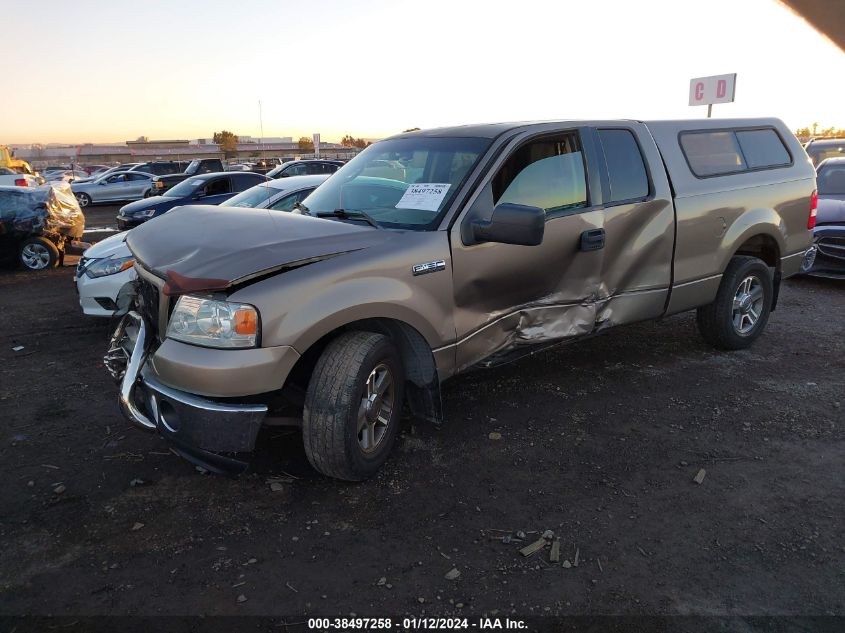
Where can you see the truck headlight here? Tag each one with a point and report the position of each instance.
(109, 266)
(213, 323)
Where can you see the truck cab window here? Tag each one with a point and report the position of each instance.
(547, 173)
(625, 166)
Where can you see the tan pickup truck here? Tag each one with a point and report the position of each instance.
(439, 250)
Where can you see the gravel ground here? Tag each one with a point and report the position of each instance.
(598, 441)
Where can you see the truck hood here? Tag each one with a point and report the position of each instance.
(831, 210)
(223, 246)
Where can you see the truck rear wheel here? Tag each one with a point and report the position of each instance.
(353, 406)
(742, 306)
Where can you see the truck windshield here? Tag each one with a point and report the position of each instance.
(402, 183)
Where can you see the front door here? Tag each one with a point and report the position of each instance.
(508, 296)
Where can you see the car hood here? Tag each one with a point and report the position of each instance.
(224, 246)
(155, 202)
(112, 246)
(830, 210)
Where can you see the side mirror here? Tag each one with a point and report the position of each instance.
(199, 194)
(512, 224)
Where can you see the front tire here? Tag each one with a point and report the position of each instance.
(39, 253)
(83, 199)
(353, 406)
(742, 306)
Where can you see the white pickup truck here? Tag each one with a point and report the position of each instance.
(11, 178)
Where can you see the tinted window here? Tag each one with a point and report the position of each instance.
(547, 173)
(831, 179)
(294, 170)
(217, 187)
(762, 148)
(625, 167)
(137, 177)
(245, 181)
(711, 153)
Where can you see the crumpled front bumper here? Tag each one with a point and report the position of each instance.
(198, 428)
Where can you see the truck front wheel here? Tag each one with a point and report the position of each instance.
(741, 309)
(353, 406)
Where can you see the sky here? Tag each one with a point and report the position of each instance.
(114, 70)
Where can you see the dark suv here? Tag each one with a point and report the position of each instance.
(161, 167)
(305, 168)
(820, 148)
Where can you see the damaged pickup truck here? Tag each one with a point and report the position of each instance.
(435, 251)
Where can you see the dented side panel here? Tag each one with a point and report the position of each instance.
(507, 296)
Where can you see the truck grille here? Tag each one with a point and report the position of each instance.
(147, 304)
(832, 247)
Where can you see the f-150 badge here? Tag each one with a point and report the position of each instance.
(428, 267)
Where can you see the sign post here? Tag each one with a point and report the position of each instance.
(710, 90)
(317, 145)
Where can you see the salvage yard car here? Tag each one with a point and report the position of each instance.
(115, 187)
(211, 189)
(37, 224)
(435, 251)
(828, 259)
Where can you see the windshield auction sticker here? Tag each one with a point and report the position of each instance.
(425, 196)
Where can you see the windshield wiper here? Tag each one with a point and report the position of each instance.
(353, 214)
(302, 208)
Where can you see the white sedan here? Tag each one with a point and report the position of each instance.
(104, 276)
(280, 195)
(105, 271)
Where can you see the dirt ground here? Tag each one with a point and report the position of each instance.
(598, 441)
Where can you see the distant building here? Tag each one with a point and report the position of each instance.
(142, 151)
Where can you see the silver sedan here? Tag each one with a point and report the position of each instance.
(113, 187)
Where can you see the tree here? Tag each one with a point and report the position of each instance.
(227, 141)
(348, 141)
(360, 143)
(306, 144)
(143, 139)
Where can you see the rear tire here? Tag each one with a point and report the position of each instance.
(353, 406)
(742, 306)
(38, 253)
(83, 199)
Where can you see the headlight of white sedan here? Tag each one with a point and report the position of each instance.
(213, 323)
(109, 266)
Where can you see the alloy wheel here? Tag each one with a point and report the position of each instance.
(376, 408)
(747, 304)
(35, 256)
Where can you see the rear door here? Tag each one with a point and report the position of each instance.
(137, 185)
(509, 296)
(639, 225)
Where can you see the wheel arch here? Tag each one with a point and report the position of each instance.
(421, 376)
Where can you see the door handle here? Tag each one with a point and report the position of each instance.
(592, 240)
